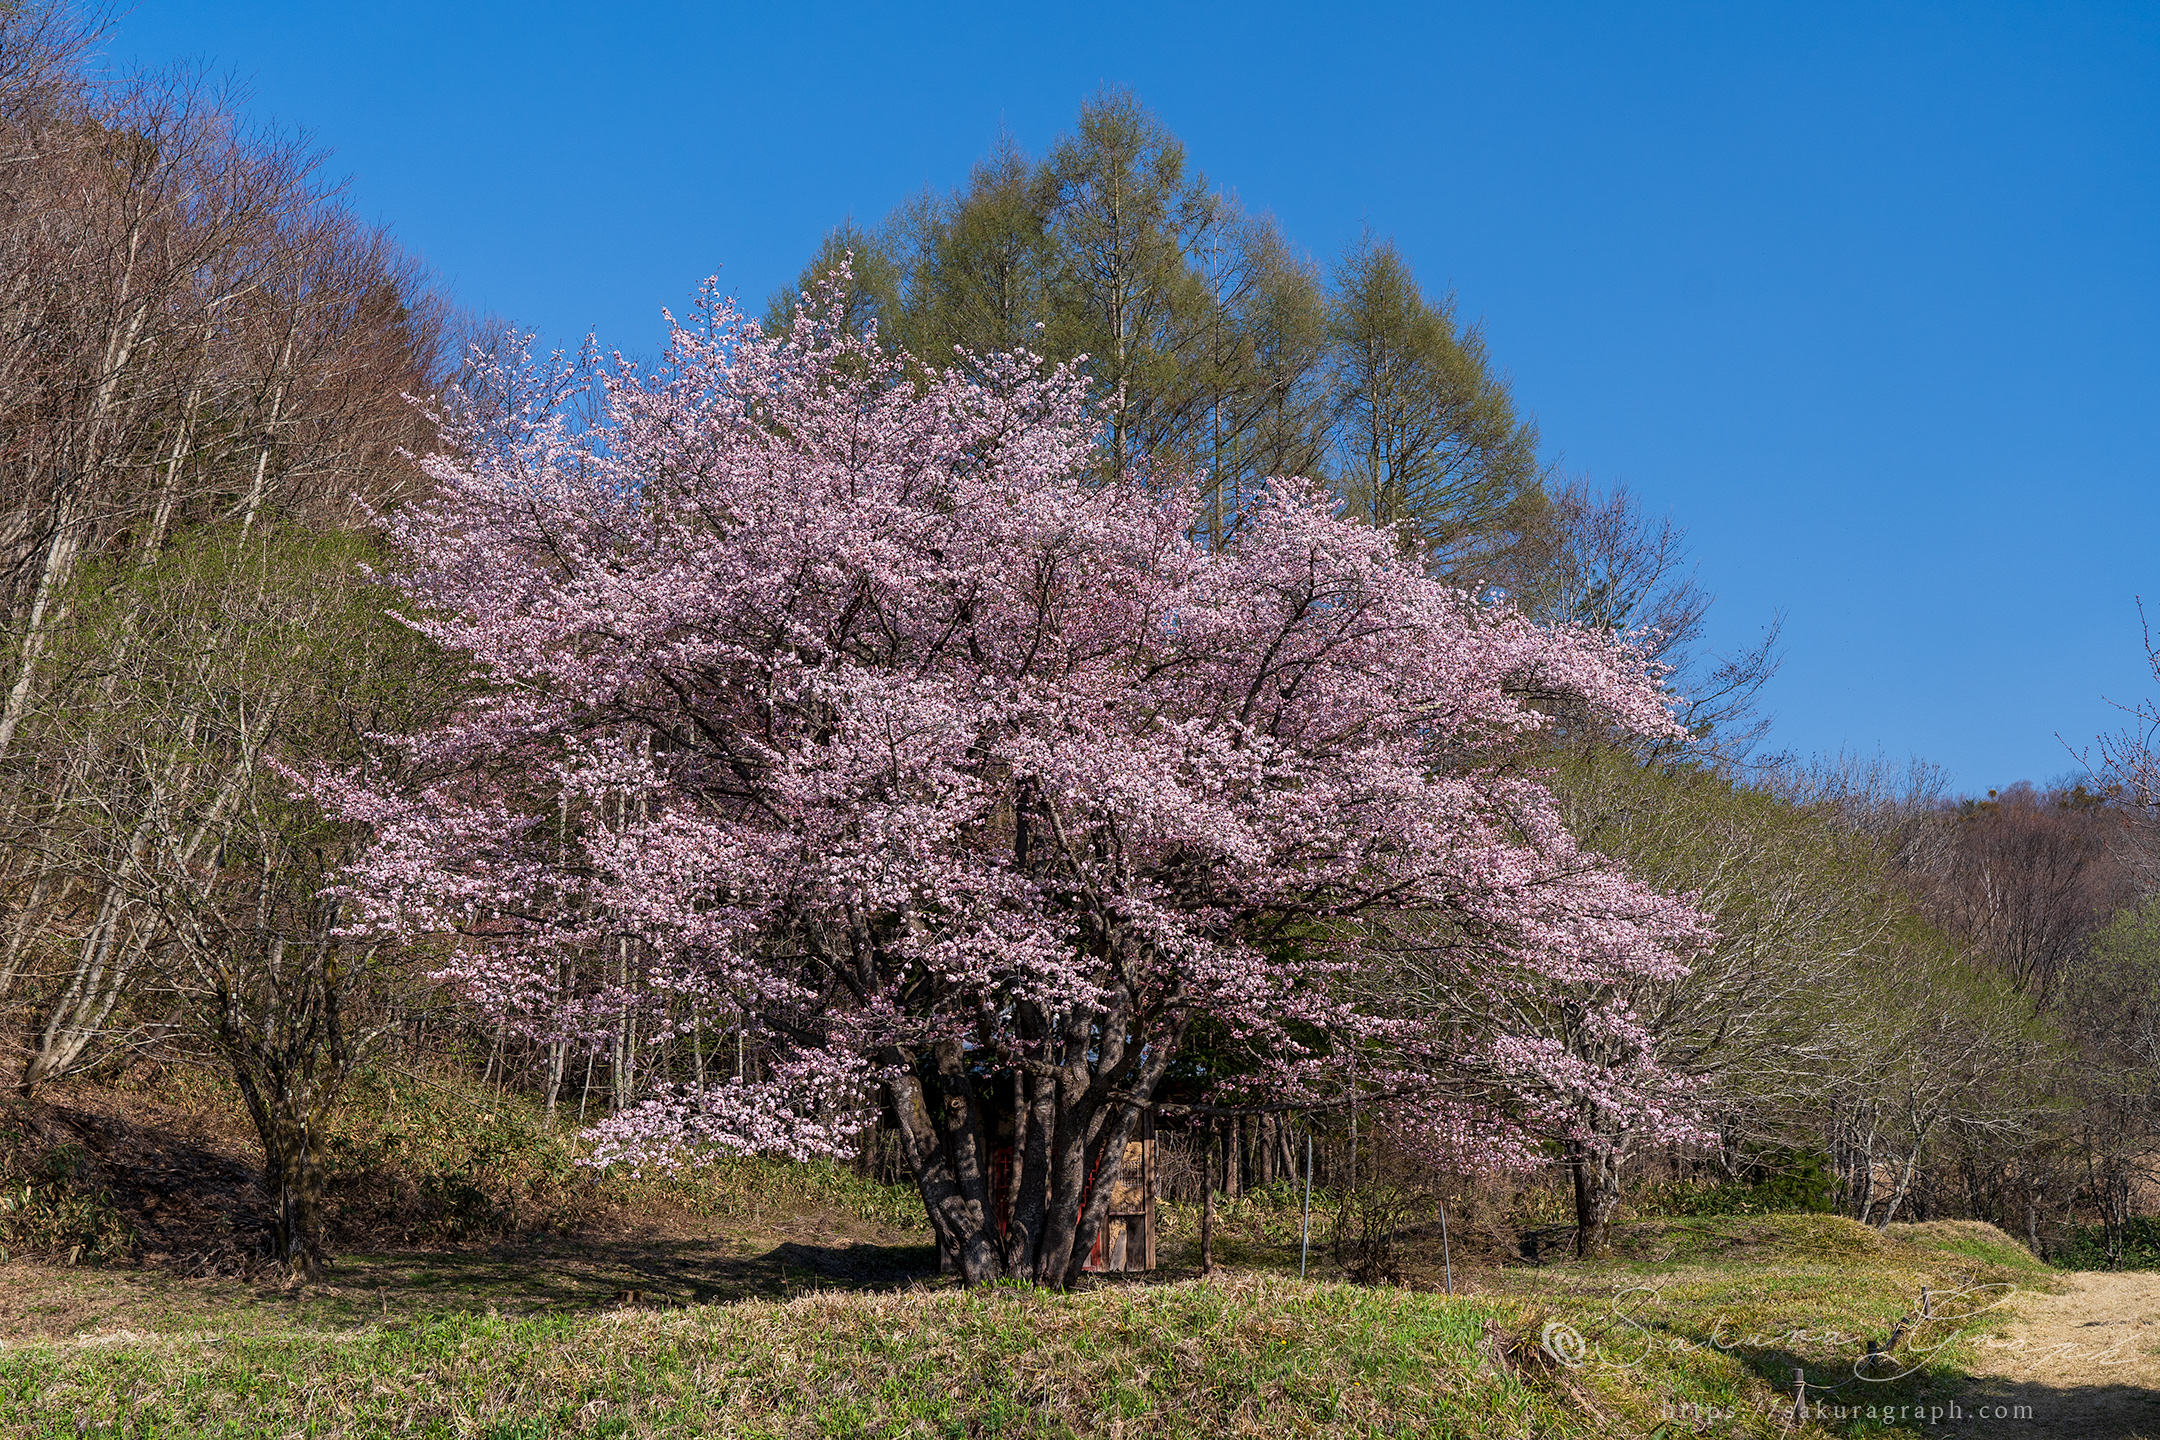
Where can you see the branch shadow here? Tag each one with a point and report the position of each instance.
(581, 1275)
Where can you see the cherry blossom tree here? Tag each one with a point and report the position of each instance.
(839, 695)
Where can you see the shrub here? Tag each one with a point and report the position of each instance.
(1774, 1182)
(58, 1211)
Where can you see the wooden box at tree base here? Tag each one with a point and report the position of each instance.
(1127, 1240)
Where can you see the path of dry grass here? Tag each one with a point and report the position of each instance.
(2084, 1364)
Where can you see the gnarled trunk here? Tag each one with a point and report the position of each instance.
(292, 1173)
(285, 1039)
(1070, 1126)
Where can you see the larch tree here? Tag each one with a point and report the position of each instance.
(1203, 329)
(983, 272)
(859, 701)
(1427, 441)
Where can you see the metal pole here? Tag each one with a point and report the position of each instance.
(1305, 1221)
(1446, 1259)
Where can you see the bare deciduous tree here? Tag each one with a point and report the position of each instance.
(193, 333)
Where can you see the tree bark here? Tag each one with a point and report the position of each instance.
(1595, 1170)
(293, 1175)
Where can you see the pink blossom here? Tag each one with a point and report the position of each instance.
(849, 697)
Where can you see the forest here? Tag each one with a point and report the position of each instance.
(1073, 663)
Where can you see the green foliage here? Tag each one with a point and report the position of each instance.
(1428, 442)
(1779, 1182)
(2085, 1247)
(873, 295)
(1212, 342)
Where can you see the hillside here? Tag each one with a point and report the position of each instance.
(766, 1299)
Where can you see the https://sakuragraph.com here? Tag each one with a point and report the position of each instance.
(1932, 1412)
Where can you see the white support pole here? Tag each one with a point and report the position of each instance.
(1305, 1220)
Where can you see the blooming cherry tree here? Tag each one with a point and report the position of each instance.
(847, 696)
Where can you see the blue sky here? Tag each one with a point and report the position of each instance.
(1867, 296)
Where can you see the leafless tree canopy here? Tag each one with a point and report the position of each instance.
(204, 364)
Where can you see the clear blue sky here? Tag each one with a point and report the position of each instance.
(1868, 296)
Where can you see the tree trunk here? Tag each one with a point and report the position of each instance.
(1207, 1223)
(957, 1217)
(1037, 1095)
(1595, 1169)
(106, 962)
(558, 1060)
(58, 570)
(1078, 1120)
(293, 1176)
(1904, 1184)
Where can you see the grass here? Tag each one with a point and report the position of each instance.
(1249, 1357)
(1700, 1322)
(1714, 1316)
(1696, 1326)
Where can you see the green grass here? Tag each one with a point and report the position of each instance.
(1696, 1325)
(1251, 1357)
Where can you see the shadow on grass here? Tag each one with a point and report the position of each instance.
(1951, 1403)
(568, 1276)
